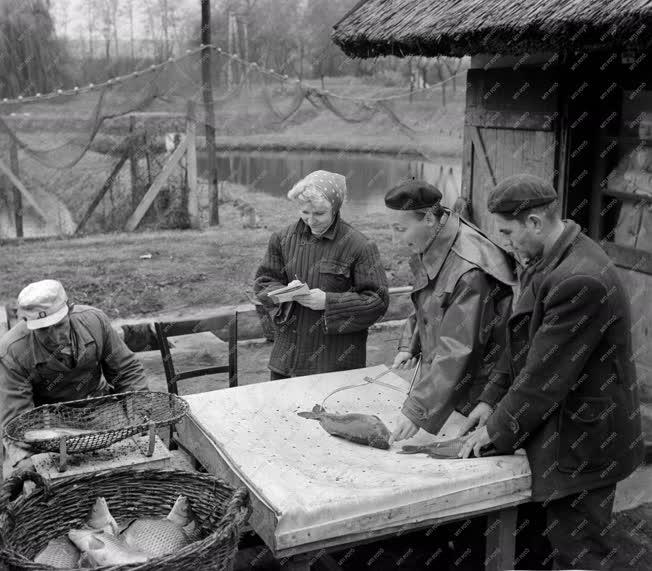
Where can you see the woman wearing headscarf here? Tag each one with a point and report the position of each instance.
(325, 330)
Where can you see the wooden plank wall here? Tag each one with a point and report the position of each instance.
(639, 287)
(514, 114)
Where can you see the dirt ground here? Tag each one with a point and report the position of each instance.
(457, 546)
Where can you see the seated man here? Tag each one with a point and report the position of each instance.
(59, 352)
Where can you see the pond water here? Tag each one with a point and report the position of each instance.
(368, 176)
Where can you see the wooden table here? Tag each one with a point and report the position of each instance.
(312, 492)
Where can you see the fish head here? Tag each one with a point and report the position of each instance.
(106, 549)
(181, 513)
(100, 517)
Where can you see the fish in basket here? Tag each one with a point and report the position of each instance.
(95, 423)
(158, 519)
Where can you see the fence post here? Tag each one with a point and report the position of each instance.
(197, 205)
(18, 198)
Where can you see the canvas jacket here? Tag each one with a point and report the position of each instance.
(461, 297)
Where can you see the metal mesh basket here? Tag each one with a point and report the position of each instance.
(30, 522)
(110, 419)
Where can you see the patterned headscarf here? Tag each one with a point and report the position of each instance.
(318, 185)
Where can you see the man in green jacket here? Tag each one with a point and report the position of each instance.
(59, 352)
(568, 391)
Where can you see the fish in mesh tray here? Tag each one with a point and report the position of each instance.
(95, 423)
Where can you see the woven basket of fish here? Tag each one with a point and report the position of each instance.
(94, 423)
(146, 520)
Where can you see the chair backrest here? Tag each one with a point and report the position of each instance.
(166, 329)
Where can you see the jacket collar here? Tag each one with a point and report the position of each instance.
(551, 260)
(330, 234)
(435, 254)
(476, 247)
(80, 337)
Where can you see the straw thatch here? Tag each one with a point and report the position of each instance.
(468, 27)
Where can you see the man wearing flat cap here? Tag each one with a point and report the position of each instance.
(59, 352)
(462, 296)
(568, 391)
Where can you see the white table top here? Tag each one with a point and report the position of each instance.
(308, 486)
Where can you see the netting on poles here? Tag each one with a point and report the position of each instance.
(64, 145)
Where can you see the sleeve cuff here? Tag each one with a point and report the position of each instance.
(504, 430)
(417, 414)
(491, 395)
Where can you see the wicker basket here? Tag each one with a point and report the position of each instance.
(112, 418)
(27, 524)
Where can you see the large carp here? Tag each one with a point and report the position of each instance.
(361, 428)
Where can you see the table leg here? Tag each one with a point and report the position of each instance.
(501, 537)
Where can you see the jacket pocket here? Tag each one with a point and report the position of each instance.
(334, 276)
(587, 437)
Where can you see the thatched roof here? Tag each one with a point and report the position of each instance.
(468, 27)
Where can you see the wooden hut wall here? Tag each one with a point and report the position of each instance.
(509, 128)
(557, 123)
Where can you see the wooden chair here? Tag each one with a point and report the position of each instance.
(167, 329)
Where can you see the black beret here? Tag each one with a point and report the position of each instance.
(412, 195)
(520, 192)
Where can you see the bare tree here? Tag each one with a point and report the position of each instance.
(30, 52)
(128, 11)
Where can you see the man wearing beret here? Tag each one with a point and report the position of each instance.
(462, 296)
(569, 394)
(59, 352)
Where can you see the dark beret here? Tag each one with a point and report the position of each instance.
(412, 195)
(520, 192)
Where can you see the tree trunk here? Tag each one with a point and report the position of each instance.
(131, 28)
(229, 49)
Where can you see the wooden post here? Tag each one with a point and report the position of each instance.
(196, 205)
(153, 190)
(108, 183)
(133, 164)
(209, 118)
(501, 526)
(27, 195)
(18, 198)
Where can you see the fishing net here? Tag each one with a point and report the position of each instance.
(86, 155)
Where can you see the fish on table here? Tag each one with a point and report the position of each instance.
(360, 428)
(443, 449)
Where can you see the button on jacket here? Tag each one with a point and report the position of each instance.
(346, 265)
(570, 397)
(462, 297)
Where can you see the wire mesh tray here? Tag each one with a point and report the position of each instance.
(105, 420)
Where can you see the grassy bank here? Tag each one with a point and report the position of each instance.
(187, 268)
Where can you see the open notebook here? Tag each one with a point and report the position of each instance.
(289, 292)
